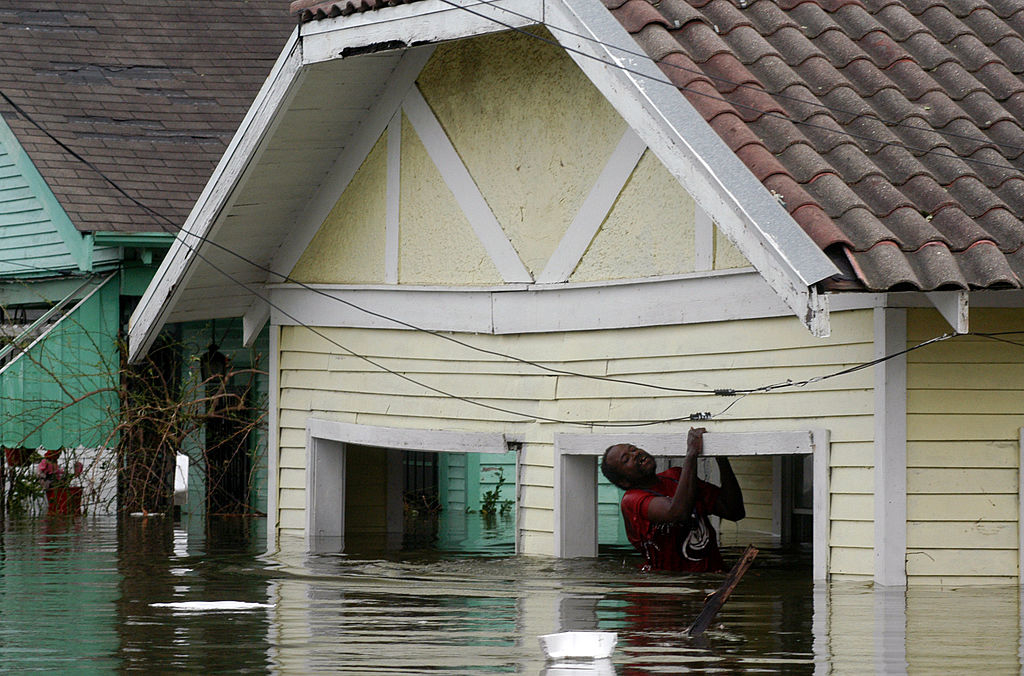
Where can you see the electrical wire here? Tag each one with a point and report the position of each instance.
(736, 104)
(740, 85)
(738, 393)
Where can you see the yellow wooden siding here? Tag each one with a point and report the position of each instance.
(965, 407)
(756, 481)
(705, 355)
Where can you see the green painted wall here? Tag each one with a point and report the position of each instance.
(227, 333)
(63, 390)
(36, 235)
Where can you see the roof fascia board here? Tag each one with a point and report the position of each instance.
(345, 167)
(692, 152)
(417, 23)
(531, 308)
(146, 240)
(177, 266)
(253, 321)
(77, 246)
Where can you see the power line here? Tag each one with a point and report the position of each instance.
(738, 85)
(736, 104)
(740, 393)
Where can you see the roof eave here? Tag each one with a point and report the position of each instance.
(742, 207)
(149, 316)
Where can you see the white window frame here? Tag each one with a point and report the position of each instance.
(576, 486)
(326, 451)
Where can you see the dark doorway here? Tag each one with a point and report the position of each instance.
(421, 503)
(229, 464)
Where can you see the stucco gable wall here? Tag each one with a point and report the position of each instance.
(534, 135)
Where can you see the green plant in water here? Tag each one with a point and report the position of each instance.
(491, 503)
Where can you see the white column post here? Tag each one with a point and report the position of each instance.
(890, 448)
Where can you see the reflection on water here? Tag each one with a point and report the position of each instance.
(80, 596)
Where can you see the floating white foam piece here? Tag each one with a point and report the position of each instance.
(578, 644)
(202, 606)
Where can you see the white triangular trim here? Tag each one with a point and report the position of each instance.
(594, 210)
(376, 121)
(394, 199)
(690, 149)
(464, 189)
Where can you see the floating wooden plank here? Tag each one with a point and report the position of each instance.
(714, 602)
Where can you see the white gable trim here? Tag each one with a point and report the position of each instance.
(348, 163)
(703, 240)
(464, 189)
(394, 191)
(594, 209)
(692, 152)
(689, 299)
(429, 21)
(175, 270)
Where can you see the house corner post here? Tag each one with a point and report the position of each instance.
(890, 415)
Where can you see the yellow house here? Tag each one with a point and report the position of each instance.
(549, 225)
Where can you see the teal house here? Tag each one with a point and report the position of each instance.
(111, 122)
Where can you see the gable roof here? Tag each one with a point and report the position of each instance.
(149, 92)
(36, 237)
(892, 129)
(296, 150)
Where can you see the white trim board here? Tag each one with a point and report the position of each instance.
(890, 473)
(177, 266)
(273, 438)
(534, 309)
(746, 212)
(393, 199)
(1020, 523)
(674, 445)
(429, 21)
(407, 439)
(576, 456)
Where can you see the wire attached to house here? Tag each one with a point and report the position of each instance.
(738, 393)
(717, 78)
(736, 104)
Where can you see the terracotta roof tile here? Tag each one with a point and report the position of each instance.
(893, 130)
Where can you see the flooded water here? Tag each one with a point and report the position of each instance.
(98, 596)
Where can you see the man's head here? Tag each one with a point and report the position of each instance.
(627, 466)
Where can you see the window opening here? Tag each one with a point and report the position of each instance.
(365, 497)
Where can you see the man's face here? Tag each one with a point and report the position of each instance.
(635, 464)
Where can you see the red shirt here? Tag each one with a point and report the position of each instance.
(689, 545)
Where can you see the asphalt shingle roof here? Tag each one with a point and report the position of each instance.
(150, 93)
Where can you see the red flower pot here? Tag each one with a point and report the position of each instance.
(64, 500)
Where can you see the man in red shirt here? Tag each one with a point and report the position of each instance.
(666, 514)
